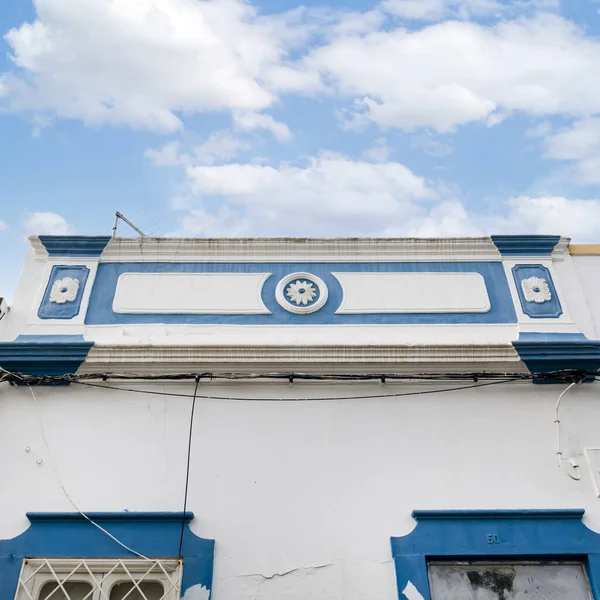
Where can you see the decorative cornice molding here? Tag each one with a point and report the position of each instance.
(557, 352)
(562, 247)
(74, 245)
(38, 248)
(44, 354)
(409, 358)
(299, 249)
(528, 245)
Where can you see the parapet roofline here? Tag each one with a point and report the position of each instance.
(281, 249)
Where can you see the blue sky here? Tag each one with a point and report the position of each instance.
(228, 118)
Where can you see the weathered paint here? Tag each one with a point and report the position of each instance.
(550, 535)
(299, 497)
(302, 498)
(60, 535)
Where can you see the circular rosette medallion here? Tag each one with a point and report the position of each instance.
(301, 293)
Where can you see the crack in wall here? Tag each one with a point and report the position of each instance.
(283, 574)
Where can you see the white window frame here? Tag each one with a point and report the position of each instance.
(102, 573)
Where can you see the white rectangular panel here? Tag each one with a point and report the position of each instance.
(190, 293)
(365, 293)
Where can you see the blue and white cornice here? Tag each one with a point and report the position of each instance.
(530, 245)
(78, 246)
(298, 250)
(416, 305)
(138, 249)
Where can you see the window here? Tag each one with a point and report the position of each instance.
(508, 581)
(503, 554)
(99, 579)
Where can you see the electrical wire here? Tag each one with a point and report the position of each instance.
(566, 375)
(187, 469)
(558, 444)
(62, 486)
(306, 399)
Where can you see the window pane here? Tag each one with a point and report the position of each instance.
(152, 590)
(76, 590)
(508, 582)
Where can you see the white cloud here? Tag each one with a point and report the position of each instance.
(330, 195)
(452, 73)
(46, 223)
(433, 10)
(144, 63)
(250, 121)
(579, 219)
(576, 218)
(167, 156)
(148, 63)
(420, 10)
(334, 195)
(3, 226)
(225, 222)
(430, 10)
(430, 144)
(221, 145)
(442, 220)
(378, 152)
(542, 129)
(579, 143)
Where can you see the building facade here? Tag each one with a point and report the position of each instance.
(286, 419)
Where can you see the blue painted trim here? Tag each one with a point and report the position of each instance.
(528, 513)
(547, 310)
(44, 355)
(178, 517)
(516, 535)
(548, 353)
(62, 535)
(100, 310)
(68, 310)
(525, 245)
(74, 245)
(534, 336)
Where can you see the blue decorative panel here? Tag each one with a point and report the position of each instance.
(525, 245)
(464, 535)
(551, 352)
(62, 298)
(44, 354)
(100, 310)
(74, 245)
(65, 535)
(536, 291)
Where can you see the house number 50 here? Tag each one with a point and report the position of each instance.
(492, 538)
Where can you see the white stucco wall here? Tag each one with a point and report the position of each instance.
(588, 272)
(301, 497)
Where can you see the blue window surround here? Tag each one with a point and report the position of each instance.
(515, 535)
(67, 535)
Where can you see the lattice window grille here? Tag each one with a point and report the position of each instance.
(100, 576)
